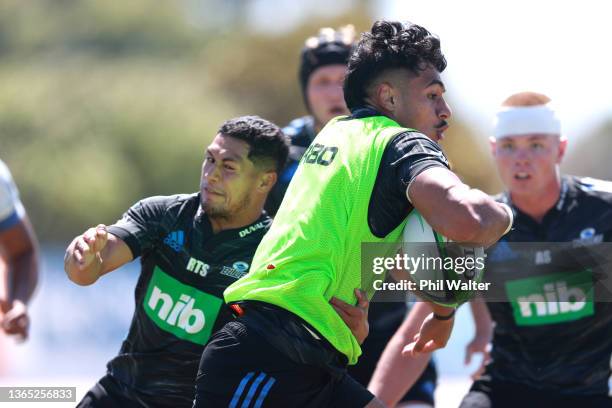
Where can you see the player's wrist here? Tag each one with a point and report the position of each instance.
(444, 316)
(510, 214)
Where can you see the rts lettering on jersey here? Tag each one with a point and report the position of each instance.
(198, 267)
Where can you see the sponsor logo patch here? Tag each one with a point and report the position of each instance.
(175, 240)
(180, 309)
(549, 299)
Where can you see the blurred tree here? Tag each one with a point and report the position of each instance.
(103, 103)
(261, 74)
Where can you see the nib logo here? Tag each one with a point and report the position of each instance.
(180, 309)
(180, 313)
(175, 240)
(551, 299)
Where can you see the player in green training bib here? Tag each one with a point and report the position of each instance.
(356, 183)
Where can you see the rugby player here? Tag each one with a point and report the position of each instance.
(323, 64)
(18, 259)
(192, 246)
(559, 357)
(355, 183)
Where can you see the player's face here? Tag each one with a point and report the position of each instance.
(528, 164)
(324, 93)
(421, 104)
(228, 177)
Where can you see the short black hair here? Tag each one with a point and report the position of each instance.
(267, 142)
(389, 45)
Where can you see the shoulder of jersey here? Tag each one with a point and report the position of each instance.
(171, 201)
(5, 174)
(593, 186)
(300, 131)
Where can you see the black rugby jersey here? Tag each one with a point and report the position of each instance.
(554, 332)
(179, 294)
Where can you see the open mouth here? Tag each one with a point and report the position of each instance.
(521, 176)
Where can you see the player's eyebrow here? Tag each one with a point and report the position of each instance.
(436, 81)
(230, 157)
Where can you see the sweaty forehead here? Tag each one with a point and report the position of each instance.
(229, 148)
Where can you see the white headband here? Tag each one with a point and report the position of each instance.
(524, 120)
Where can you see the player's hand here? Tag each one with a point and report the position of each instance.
(14, 319)
(87, 247)
(480, 344)
(434, 334)
(355, 317)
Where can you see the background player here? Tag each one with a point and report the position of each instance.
(192, 246)
(288, 345)
(560, 358)
(18, 259)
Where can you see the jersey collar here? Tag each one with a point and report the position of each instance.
(564, 204)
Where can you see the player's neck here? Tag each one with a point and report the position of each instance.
(538, 204)
(317, 126)
(246, 217)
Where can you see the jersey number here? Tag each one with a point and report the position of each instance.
(319, 154)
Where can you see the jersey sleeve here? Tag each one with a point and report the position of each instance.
(407, 156)
(140, 226)
(11, 209)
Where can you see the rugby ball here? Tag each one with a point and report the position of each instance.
(443, 271)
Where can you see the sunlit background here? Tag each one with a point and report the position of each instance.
(106, 102)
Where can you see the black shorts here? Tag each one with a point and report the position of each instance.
(489, 393)
(239, 368)
(373, 347)
(112, 393)
(108, 393)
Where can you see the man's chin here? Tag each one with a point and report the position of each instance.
(214, 211)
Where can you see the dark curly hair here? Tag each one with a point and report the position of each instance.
(390, 44)
(268, 144)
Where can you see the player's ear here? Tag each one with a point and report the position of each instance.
(562, 148)
(492, 144)
(385, 96)
(266, 181)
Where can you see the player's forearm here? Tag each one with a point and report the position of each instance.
(480, 220)
(482, 318)
(23, 275)
(395, 374)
